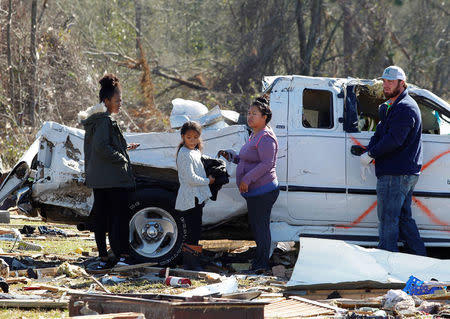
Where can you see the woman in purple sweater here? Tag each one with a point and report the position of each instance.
(257, 179)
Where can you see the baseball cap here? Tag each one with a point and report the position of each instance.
(394, 73)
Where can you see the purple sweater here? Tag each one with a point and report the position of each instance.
(257, 160)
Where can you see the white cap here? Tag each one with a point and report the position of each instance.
(394, 73)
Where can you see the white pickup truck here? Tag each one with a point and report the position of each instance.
(325, 192)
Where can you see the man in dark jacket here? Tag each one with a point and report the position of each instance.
(396, 147)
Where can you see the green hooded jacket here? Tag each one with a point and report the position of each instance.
(106, 160)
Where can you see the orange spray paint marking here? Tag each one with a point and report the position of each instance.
(419, 204)
(360, 218)
(434, 159)
(356, 142)
(429, 213)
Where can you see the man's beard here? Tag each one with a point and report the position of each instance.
(395, 92)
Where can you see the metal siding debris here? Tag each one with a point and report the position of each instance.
(296, 307)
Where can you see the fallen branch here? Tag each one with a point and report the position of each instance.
(99, 284)
(157, 71)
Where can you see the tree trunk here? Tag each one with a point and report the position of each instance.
(33, 73)
(307, 47)
(9, 56)
(347, 36)
(301, 33)
(138, 19)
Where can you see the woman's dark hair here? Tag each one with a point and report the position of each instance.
(110, 85)
(191, 126)
(262, 103)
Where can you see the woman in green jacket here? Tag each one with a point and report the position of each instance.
(108, 171)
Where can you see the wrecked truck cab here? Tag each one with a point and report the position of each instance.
(324, 192)
(53, 185)
(17, 177)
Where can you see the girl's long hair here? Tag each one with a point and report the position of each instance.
(191, 126)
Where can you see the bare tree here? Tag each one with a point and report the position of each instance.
(33, 72)
(138, 19)
(347, 35)
(9, 55)
(307, 46)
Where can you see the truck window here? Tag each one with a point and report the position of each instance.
(435, 119)
(317, 109)
(370, 97)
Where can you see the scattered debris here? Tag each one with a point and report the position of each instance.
(297, 307)
(28, 246)
(4, 269)
(10, 234)
(223, 291)
(177, 282)
(167, 306)
(227, 286)
(279, 271)
(71, 270)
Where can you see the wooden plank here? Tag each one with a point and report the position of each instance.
(132, 267)
(100, 284)
(355, 303)
(30, 303)
(181, 272)
(16, 280)
(121, 315)
(41, 272)
(53, 288)
(343, 293)
(351, 285)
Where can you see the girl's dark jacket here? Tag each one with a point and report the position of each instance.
(106, 160)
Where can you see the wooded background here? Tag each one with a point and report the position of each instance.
(53, 52)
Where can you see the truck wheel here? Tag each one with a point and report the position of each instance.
(156, 233)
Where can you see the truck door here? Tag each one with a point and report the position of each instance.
(316, 159)
(279, 99)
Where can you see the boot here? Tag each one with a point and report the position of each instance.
(191, 257)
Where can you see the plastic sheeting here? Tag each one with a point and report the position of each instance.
(322, 261)
(187, 110)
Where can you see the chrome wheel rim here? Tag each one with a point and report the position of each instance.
(153, 232)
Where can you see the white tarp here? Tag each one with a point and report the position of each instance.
(187, 110)
(323, 261)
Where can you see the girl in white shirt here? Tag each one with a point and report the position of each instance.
(193, 192)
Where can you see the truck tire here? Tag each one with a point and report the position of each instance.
(157, 232)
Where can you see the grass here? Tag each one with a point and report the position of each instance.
(10, 313)
(52, 245)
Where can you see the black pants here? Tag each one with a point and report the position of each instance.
(193, 219)
(111, 215)
(259, 209)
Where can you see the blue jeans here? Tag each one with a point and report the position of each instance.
(259, 210)
(394, 196)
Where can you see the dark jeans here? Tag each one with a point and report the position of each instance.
(394, 196)
(259, 209)
(193, 219)
(111, 215)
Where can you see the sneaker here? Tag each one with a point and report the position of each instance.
(123, 262)
(101, 265)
